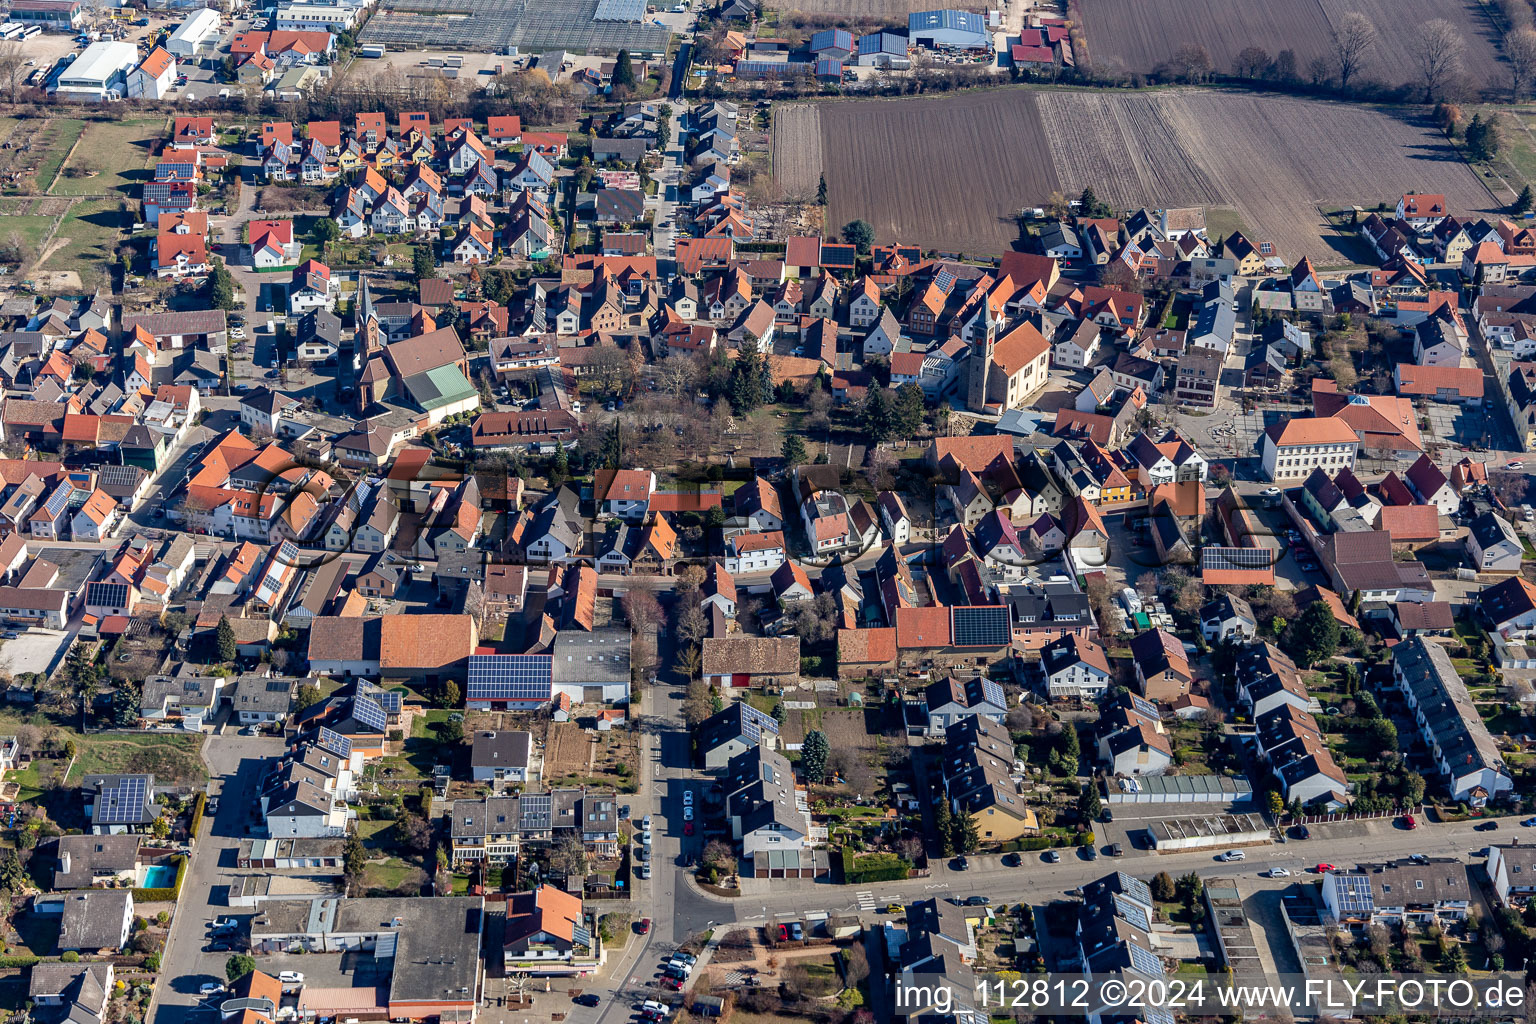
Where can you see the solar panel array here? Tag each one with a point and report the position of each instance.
(288, 553)
(124, 802)
(335, 742)
(1133, 912)
(1236, 558)
(390, 700)
(992, 693)
(113, 595)
(1143, 706)
(754, 723)
(1144, 961)
(510, 677)
(981, 626)
(1134, 888)
(1354, 895)
(535, 811)
(497, 24)
(367, 710)
(57, 500)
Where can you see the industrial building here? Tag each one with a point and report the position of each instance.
(198, 34)
(52, 15)
(100, 72)
(949, 29)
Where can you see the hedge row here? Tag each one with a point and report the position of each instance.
(199, 804)
(169, 895)
(880, 867)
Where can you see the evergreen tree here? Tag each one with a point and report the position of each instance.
(1087, 203)
(221, 286)
(780, 713)
(821, 191)
(224, 640)
(793, 450)
(860, 235)
(623, 71)
(715, 517)
(877, 417)
(746, 381)
(813, 756)
(909, 410)
(1524, 201)
(1089, 807)
(421, 263)
(944, 827)
(1314, 636)
(559, 467)
(967, 835)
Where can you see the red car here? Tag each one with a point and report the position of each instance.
(1324, 868)
(783, 933)
(644, 927)
(1410, 822)
(687, 828)
(675, 984)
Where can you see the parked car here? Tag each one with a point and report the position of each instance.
(587, 999)
(687, 798)
(1278, 873)
(1115, 850)
(1052, 857)
(1323, 869)
(1488, 826)
(290, 977)
(795, 931)
(644, 926)
(209, 988)
(1233, 855)
(978, 901)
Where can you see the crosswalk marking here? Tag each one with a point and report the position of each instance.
(866, 900)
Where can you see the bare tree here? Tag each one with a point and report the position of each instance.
(1520, 52)
(1353, 42)
(1438, 51)
(13, 67)
(677, 376)
(1192, 63)
(1252, 62)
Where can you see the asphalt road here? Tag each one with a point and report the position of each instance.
(1035, 881)
(235, 766)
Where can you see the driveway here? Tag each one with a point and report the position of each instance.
(235, 766)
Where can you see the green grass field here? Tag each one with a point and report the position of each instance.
(170, 757)
(56, 140)
(110, 159)
(88, 234)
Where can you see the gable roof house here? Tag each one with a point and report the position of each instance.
(1466, 755)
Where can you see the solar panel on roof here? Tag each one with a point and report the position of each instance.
(112, 594)
(510, 677)
(1354, 895)
(335, 742)
(1143, 706)
(368, 711)
(981, 626)
(1143, 961)
(992, 693)
(1236, 558)
(123, 803)
(535, 811)
(754, 723)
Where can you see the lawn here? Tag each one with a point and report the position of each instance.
(55, 141)
(392, 876)
(171, 758)
(111, 158)
(88, 235)
(424, 726)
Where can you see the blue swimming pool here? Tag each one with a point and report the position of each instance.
(159, 876)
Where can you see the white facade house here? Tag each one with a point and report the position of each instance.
(1466, 755)
(1292, 449)
(754, 552)
(198, 34)
(152, 79)
(99, 73)
(315, 18)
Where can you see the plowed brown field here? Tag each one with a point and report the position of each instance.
(1137, 35)
(951, 172)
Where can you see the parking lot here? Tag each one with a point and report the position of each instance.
(34, 650)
